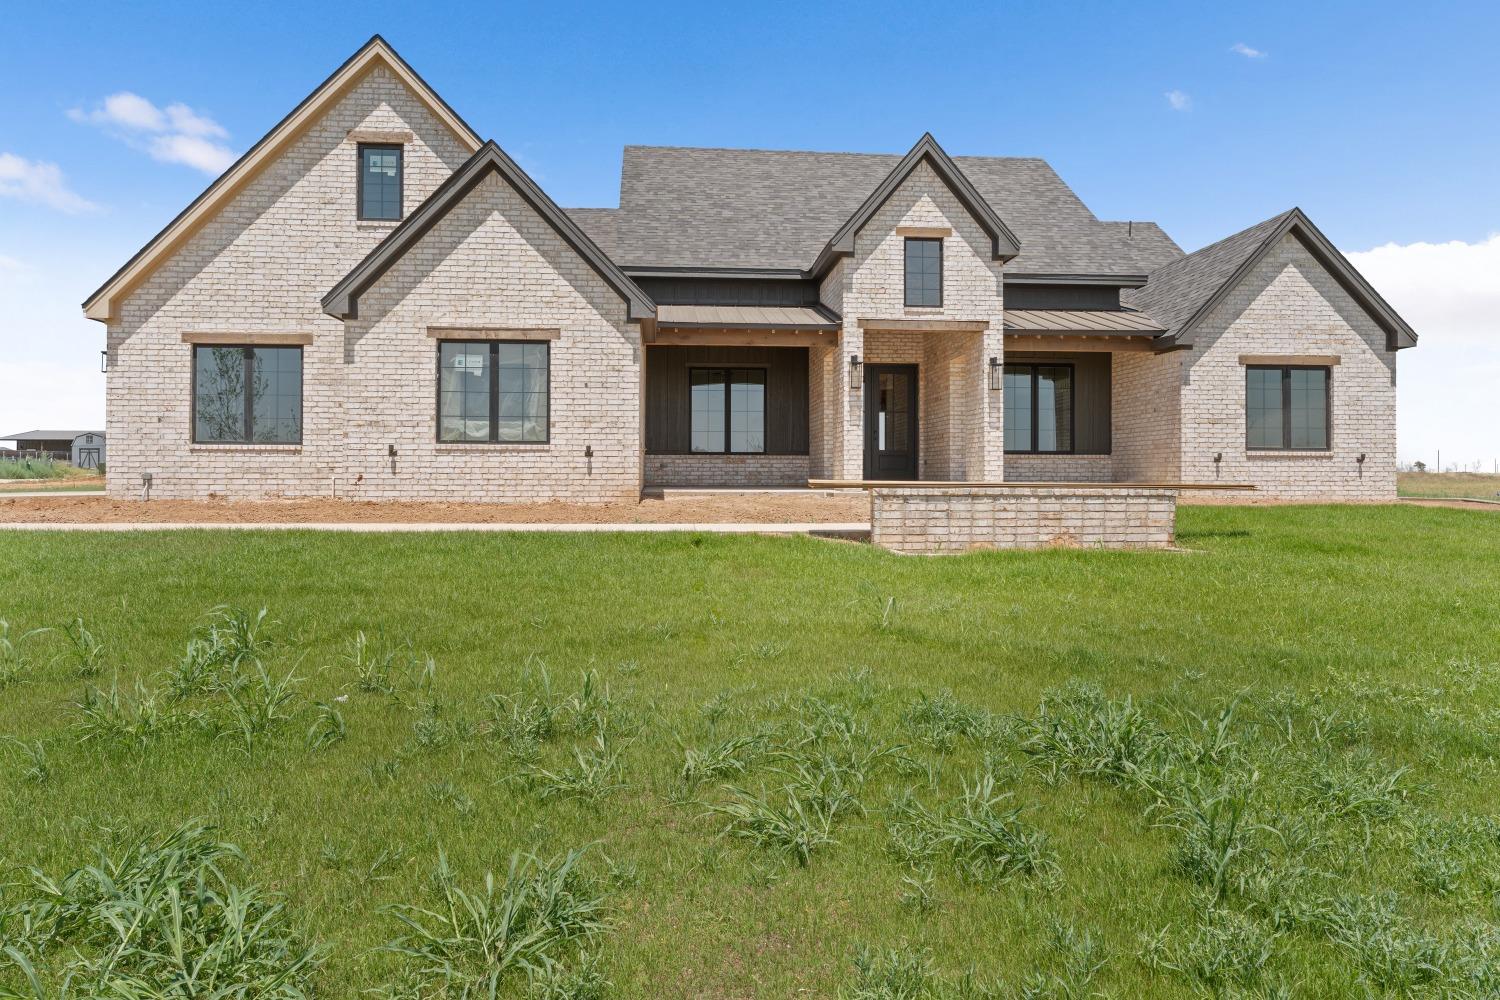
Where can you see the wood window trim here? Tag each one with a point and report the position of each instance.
(1072, 448)
(729, 370)
(249, 441)
(494, 407)
(1293, 360)
(381, 137)
(359, 180)
(924, 232)
(219, 339)
(1286, 448)
(496, 333)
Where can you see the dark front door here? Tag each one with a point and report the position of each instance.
(890, 421)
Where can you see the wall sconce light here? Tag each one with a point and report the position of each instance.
(104, 361)
(997, 379)
(854, 363)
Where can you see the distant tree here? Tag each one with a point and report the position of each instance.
(1419, 466)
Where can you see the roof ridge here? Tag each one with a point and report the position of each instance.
(812, 152)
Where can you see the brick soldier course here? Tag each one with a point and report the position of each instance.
(761, 252)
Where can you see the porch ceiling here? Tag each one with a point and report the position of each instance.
(1098, 322)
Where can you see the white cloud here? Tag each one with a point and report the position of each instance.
(40, 183)
(1179, 101)
(1240, 48)
(174, 134)
(1450, 294)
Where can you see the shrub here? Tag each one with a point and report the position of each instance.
(163, 918)
(527, 924)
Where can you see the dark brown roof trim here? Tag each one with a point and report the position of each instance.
(1398, 333)
(1116, 280)
(342, 301)
(374, 40)
(763, 274)
(1004, 244)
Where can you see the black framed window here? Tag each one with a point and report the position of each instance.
(493, 391)
(924, 271)
(1286, 407)
(379, 182)
(728, 410)
(1039, 409)
(247, 395)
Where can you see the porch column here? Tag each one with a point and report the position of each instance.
(849, 436)
(988, 460)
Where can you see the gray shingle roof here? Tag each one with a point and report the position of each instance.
(47, 435)
(1151, 244)
(1176, 291)
(748, 208)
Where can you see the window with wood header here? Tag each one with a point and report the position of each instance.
(379, 188)
(493, 392)
(1286, 407)
(728, 410)
(1039, 405)
(924, 271)
(247, 395)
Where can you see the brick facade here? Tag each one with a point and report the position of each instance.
(948, 520)
(1291, 305)
(262, 265)
(727, 470)
(963, 439)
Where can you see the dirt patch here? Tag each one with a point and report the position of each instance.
(779, 508)
(1488, 505)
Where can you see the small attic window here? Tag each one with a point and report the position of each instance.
(924, 271)
(379, 191)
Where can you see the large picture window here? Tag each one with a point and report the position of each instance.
(493, 391)
(924, 271)
(728, 410)
(379, 182)
(247, 395)
(1286, 408)
(1039, 409)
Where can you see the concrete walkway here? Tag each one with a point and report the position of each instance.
(749, 528)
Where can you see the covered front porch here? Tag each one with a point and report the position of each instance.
(815, 398)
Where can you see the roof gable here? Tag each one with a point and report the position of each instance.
(759, 210)
(376, 52)
(1004, 244)
(1183, 293)
(342, 301)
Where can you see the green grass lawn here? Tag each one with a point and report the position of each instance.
(1263, 767)
(40, 469)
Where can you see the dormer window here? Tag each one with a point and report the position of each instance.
(924, 271)
(379, 182)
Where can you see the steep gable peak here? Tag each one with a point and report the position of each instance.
(376, 53)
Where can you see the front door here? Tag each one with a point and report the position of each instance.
(890, 421)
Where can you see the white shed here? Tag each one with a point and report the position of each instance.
(88, 450)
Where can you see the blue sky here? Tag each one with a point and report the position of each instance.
(1379, 119)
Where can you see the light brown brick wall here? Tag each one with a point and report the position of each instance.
(727, 470)
(262, 265)
(493, 261)
(947, 520)
(1059, 469)
(1290, 305)
(871, 286)
(1146, 417)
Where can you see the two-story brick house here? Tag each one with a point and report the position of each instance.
(375, 303)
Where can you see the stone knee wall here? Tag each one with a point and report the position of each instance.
(727, 470)
(957, 519)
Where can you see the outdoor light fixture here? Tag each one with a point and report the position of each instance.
(996, 378)
(104, 361)
(854, 363)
